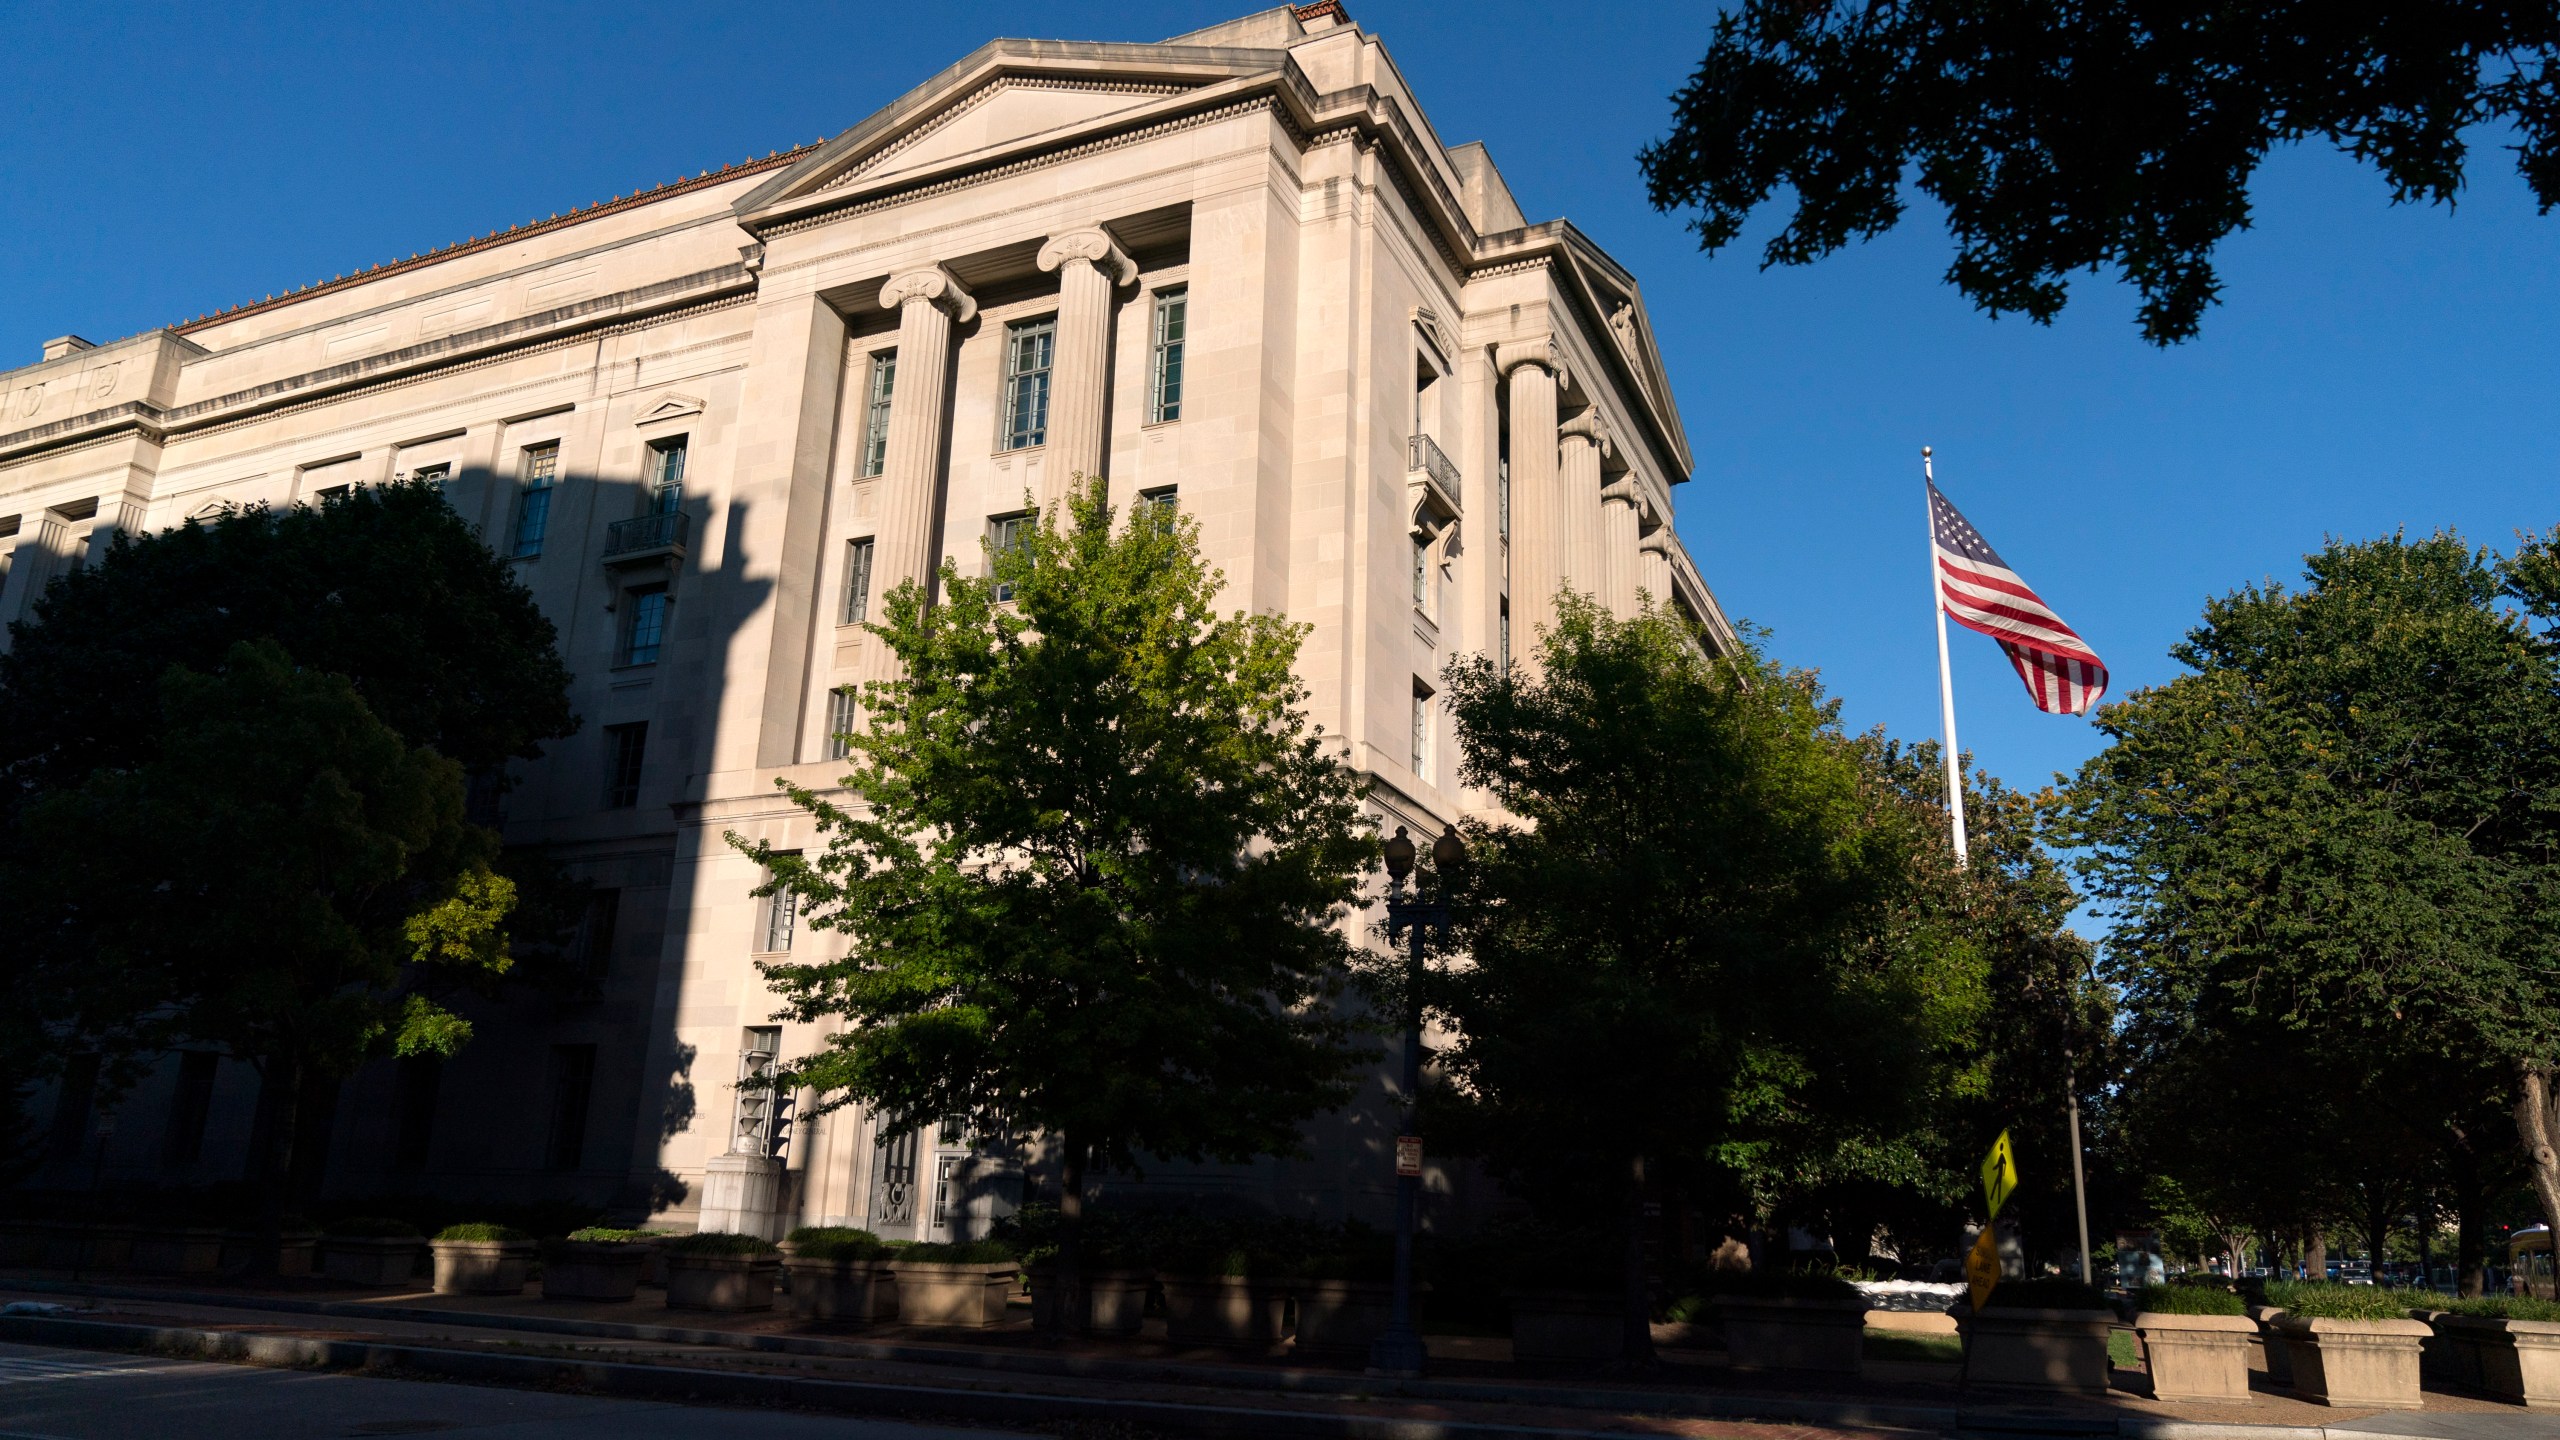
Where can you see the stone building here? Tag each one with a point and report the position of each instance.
(711, 423)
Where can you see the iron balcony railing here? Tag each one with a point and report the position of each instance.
(1427, 459)
(648, 532)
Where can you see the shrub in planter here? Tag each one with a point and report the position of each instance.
(2505, 1346)
(1346, 1299)
(966, 1284)
(297, 1249)
(2349, 1344)
(1212, 1299)
(2046, 1334)
(596, 1263)
(481, 1259)
(2197, 1340)
(839, 1273)
(1780, 1320)
(717, 1270)
(367, 1250)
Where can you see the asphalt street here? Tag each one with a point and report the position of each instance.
(48, 1394)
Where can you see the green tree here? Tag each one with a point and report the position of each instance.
(2068, 138)
(1672, 970)
(2334, 839)
(285, 877)
(1096, 878)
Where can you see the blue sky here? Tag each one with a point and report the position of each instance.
(2370, 368)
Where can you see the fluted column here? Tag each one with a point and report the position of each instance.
(929, 302)
(1653, 567)
(1533, 369)
(1090, 266)
(1621, 516)
(1584, 440)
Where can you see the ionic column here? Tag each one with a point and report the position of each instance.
(1584, 440)
(1621, 516)
(929, 302)
(1533, 370)
(1089, 267)
(1653, 567)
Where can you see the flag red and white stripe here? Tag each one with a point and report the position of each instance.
(1979, 591)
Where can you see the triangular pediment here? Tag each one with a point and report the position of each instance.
(670, 406)
(1007, 111)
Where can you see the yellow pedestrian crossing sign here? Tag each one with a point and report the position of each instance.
(1999, 1174)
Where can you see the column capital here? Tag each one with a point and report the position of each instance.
(1656, 541)
(1624, 491)
(1542, 352)
(935, 286)
(1590, 425)
(1093, 246)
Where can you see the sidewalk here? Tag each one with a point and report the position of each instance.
(1009, 1376)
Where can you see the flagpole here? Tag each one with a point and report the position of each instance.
(1946, 677)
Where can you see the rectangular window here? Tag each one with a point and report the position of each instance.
(1502, 501)
(1029, 348)
(1164, 390)
(1503, 620)
(857, 580)
(644, 625)
(875, 424)
(539, 474)
(419, 1082)
(72, 1103)
(1421, 575)
(758, 1127)
(484, 796)
(182, 1144)
(625, 747)
(432, 474)
(1006, 533)
(1421, 729)
(573, 1085)
(598, 929)
(781, 919)
(841, 711)
(1157, 507)
(666, 475)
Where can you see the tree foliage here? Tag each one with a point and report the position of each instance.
(2087, 137)
(1096, 864)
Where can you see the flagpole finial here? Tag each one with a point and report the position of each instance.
(1924, 452)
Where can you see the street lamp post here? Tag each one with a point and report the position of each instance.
(1399, 1350)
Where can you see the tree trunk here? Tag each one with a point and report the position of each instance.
(2315, 1254)
(1636, 1338)
(2470, 1237)
(2377, 1228)
(2538, 1123)
(281, 1097)
(1068, 1317)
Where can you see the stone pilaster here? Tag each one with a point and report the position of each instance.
(1584, 441)
(929, 302)
(1621, 517)
(1089, 266)
(1534, 370)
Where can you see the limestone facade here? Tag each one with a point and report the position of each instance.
(712, 423)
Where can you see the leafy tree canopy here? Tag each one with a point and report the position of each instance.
(2087, 137)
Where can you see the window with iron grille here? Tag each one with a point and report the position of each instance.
(1029, 349)
(857, 580)
(842, 710)
(1006, 533)
(644, 626)
(625, 747)
(598, 928)
(1421, 571)
(1503, 621)
(573, 1084)
(781, 917)
(1421, 729)
(875, 424)
(666, 476)
(1165, 372)
(539, 474)
(757, 1129)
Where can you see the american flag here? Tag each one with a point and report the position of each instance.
(1980, 592)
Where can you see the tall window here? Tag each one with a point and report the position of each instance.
(182, 1144)
(597, 930)
(1029, 348)
(841, 710)
(1502, 501)
(1421, 729)
(1421, 575)
(539, 472)
(666, 476)
(758, 1128)
(644, 625)
(875, 424)
(413, 1111)
(1503, 619)
(1164, 390)
(1006, 533)
(73, 1099)
(573, 1085)
(625, 747)
(1156, 508)
(857, 580)
(781, 918)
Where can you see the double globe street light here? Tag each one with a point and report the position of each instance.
(1399, 1350)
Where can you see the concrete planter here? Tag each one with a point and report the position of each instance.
(1115, 1301)
(370, 1260)
(1224, 1310)
(2517, 1361)
(861, 1291)
(1572, 1327)
(719, 1282)
(1779, 1333)
(2198, 1357)
(2057, 1351)
(2279, 1359)
(481, 1267)
(111, 1245)
(2356, 1363)
(297, 1253)
(178, 1250)
(1338, 1318)
(965, 1296)
(592, 1269)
